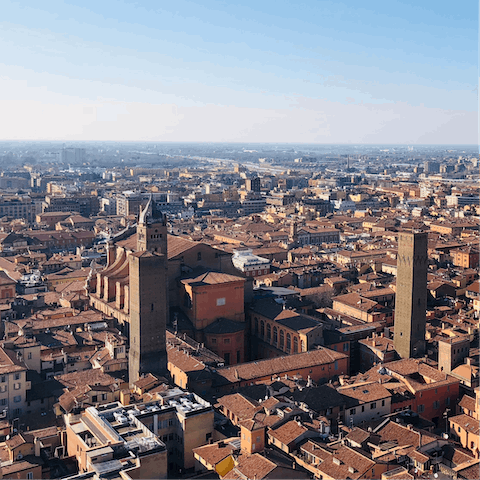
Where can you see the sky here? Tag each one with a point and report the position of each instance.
(381, 72)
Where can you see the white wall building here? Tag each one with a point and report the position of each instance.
(251, 265)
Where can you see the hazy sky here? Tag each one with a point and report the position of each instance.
(256, 71)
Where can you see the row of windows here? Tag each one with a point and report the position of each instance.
(345, 347)
(16, 399)
(103, 397)
(172, 437)
(253, 273)
(435, 405)
(16, 386)
(373, 406)
(275, 337)
(227, 340)
(17, 376)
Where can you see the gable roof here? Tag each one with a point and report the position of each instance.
(211, 278)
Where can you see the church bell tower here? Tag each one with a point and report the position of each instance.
(149, 296)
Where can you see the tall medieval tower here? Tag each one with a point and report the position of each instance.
(411, 295)
(148, 296)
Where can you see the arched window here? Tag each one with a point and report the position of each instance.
(275, 335)
(289, 342)
(295, 345)
(256, 325)
(302, 345)
(262, 328)
(269, 332)
(282, 338)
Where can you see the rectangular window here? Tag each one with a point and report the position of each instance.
(421, 408)
(17, 398)
(353, 411)
(226, 340)
(29, 474)
(17, 386)
(373, 406)
(3, 402)
(345, 347)
(447, 401)
(436, 404)
(336, 365)
(383, 403)
(220, 301)
(17, 376)
(214, 340)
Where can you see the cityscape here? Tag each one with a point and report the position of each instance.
(239, 240)
(239, 311)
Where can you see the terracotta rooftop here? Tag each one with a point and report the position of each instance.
(254, 466)
(212, 278)
(288, 432)
(215, 453)
(357, 301)
(343, 462)
(279, 365)
(365, 392)
(466, 422)
(467, 403)
(93, 377)
(242, 407)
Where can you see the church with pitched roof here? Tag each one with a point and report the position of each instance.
(153, 280)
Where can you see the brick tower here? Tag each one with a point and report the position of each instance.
(411, 295)
(148, 296)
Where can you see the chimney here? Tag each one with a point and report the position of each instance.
(468, 361)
